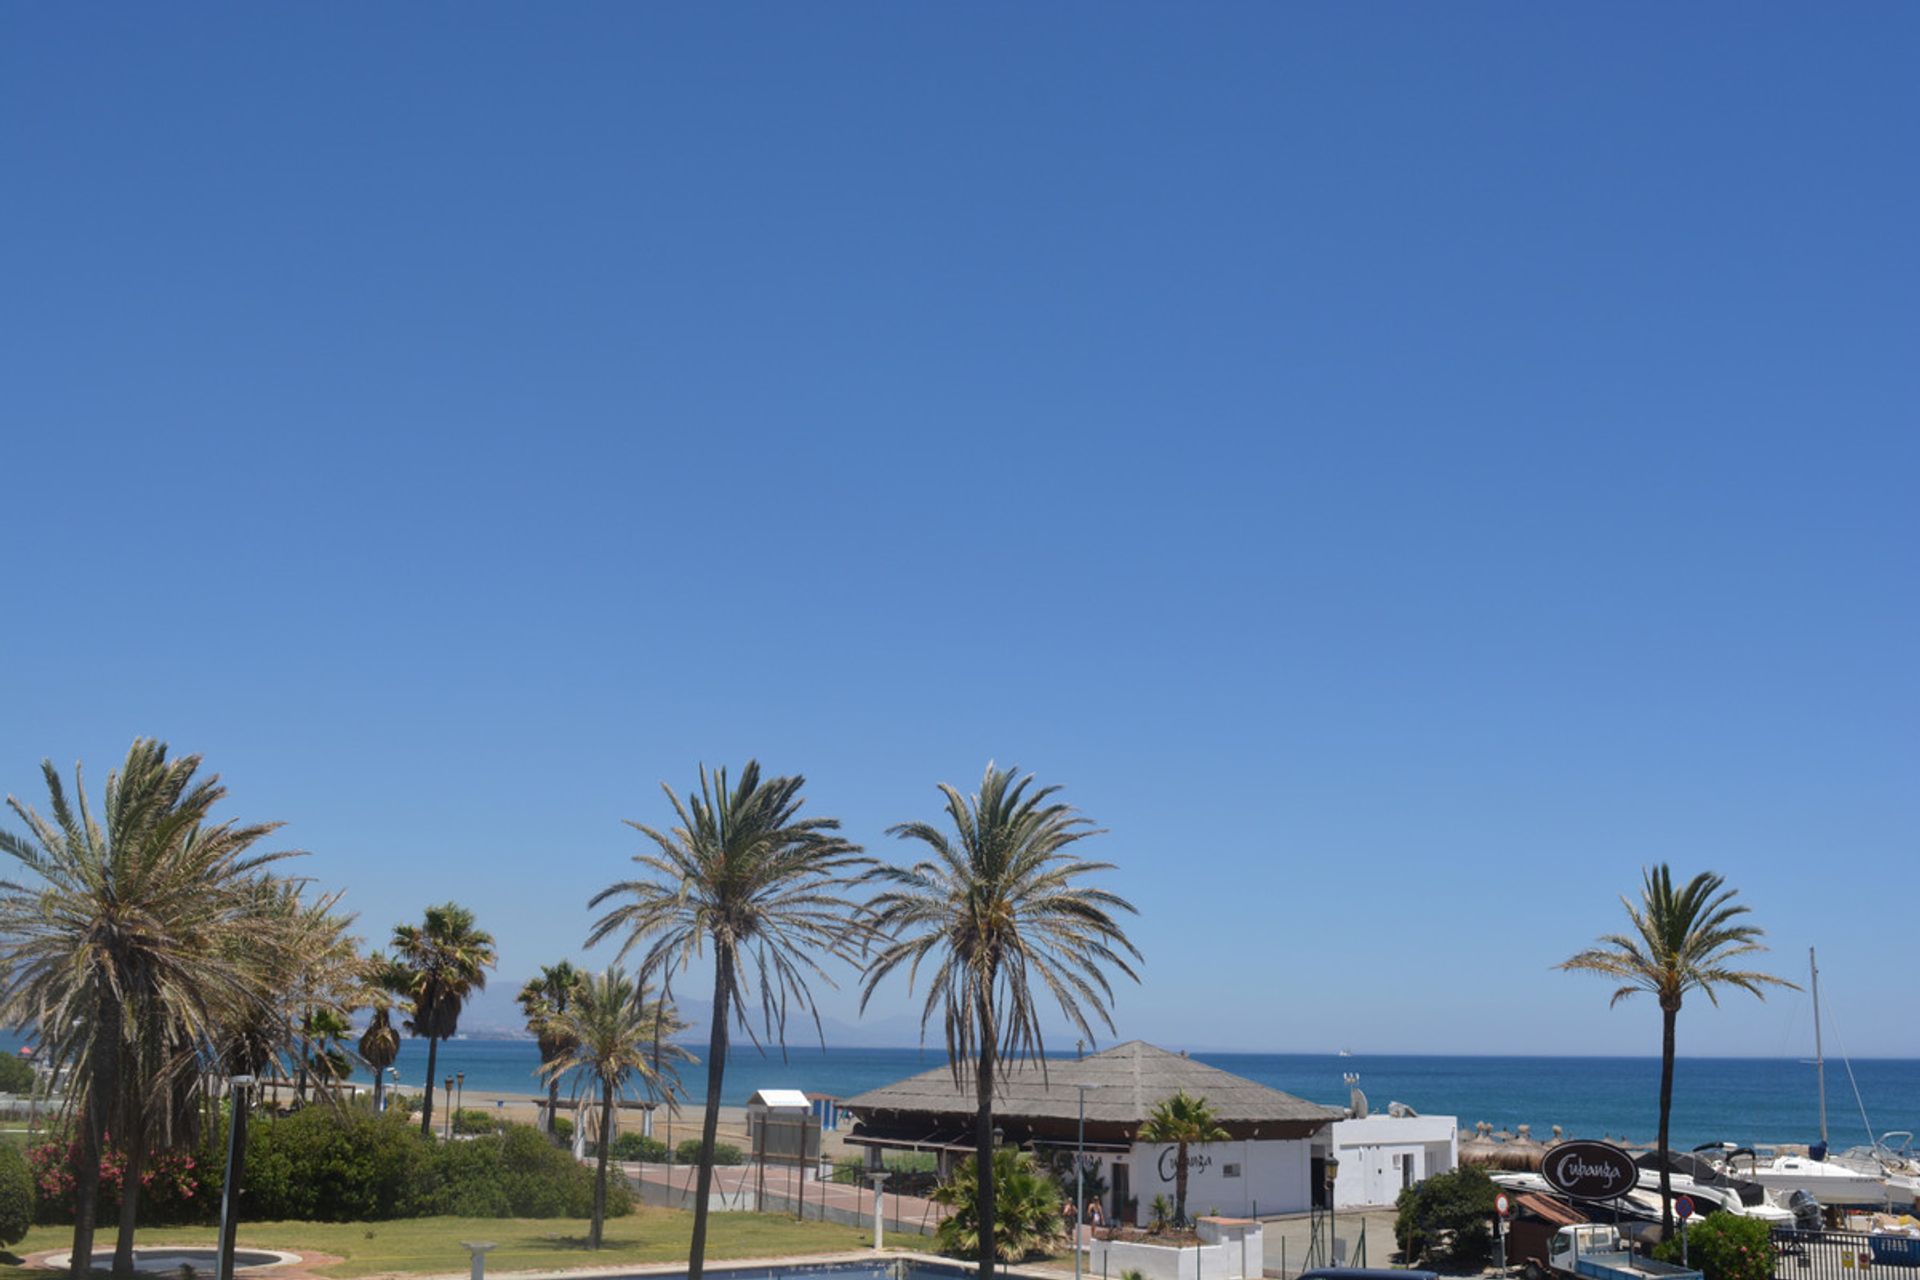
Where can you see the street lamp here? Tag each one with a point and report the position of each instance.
(237, 1090)
(449, 1107)
(1079, 1177)
(1333, 1239)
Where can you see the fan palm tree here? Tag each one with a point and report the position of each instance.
(1182, 1120)
(607, 1034)
(744, 873)
(125, 944)
(1682, 941)
(544, 1000)
(999, 917)
(442, 960)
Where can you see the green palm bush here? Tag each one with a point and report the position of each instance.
(1028, 1217)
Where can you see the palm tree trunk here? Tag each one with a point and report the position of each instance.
(136, 1140)
(1180, 1186)
(426, 1109)
(983, 1131)
(1667, 1018)
(600, 1176)
(710, 1124)
(103, 1063)
(379, 1087)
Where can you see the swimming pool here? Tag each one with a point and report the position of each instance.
(879, 1269)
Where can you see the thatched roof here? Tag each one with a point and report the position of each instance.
(1132, 1078)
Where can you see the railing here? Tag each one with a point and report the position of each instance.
(1840, 1255)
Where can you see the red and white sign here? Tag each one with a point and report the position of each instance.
(1502, 1205)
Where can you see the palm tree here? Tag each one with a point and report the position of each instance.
(1027, 1218)
(1184, 1121)
(1681, 941)
(744, 872)
(444, 960)
(607, 1033)
(998, 916)
(544, 1000)
(380, 1043)
(126, 947)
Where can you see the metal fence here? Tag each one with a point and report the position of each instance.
(1841, 1255)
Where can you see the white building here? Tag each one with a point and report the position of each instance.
(1382, 1155)
(1268, 1165)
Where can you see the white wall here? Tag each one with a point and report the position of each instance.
(1381, 1154)
(1269, 1176)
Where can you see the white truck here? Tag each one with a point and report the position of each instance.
(1595, 1251)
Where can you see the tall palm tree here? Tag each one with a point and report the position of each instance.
(445, 960)
(741, 871)
(607, 1034)
(1681, 941)
(544, 1000)
(124, 943)
(1184, 1121)
(998, 916)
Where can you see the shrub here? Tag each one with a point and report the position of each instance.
(516, 1173)
(16, 1074)
(177, 1186)
(1725, 1247)
(1448, 1219)
(473, 1120)
(688, 1152)
(638, 1146)
(16, 1194)
(563, 1128)
(1026, 1209)
(325, 1165)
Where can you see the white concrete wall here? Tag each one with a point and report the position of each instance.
(1268, 1176)
(1228, 1251)
(1381, 1154)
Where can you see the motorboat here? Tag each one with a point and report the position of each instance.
(1713, 1187)
(1890, 1158)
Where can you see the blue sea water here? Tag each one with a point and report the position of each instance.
(1715, 1099)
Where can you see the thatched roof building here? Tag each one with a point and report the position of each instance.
(1035, 1103)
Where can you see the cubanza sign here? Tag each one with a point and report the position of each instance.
(1590, 1170)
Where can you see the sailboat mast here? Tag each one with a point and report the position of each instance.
(1819, 1053)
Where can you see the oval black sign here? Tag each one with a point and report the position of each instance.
(1590, 1170)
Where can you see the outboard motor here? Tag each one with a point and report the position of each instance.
(1806, 1211)
(1817, 1151)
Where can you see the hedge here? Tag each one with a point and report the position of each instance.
(16, 1194)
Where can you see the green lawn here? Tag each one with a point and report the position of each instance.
(429, 1245)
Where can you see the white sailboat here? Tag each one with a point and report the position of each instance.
(1828, 1181)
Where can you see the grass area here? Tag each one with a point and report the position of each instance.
(424, 1246)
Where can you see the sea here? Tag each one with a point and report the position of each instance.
(1745, 1100)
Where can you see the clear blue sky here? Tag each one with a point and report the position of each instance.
(1402, 468)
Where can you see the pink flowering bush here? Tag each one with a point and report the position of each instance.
(173, 1187)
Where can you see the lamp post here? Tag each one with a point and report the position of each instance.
(448, 1128)
(1079, 1177)
(1333, 1239)
(237, 1090)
